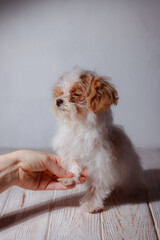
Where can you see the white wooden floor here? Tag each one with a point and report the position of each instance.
(28, 215)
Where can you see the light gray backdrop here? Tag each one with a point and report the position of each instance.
(39, 40)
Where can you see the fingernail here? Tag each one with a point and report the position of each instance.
(82, 179)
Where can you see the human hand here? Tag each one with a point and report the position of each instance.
(40, 171)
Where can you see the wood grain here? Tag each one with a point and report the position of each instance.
(68, 222)
(151, 161)
(26, 217)
(127, 217)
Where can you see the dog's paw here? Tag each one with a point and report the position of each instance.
(91, 207)
(68, 181)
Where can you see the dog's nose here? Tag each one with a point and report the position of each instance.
(59, 102)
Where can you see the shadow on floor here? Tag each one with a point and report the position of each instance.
(151, 193)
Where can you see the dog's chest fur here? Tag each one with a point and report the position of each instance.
(78, 143)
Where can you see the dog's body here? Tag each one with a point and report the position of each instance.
(88, 138)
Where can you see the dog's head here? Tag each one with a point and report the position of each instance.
(79, 92)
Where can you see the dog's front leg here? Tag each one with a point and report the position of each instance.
(73, 167)
(93, 200)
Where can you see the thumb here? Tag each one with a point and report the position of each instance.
(58, 170)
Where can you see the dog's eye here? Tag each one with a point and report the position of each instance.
(76, 95)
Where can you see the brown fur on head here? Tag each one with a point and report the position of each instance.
(95, 91)
(101, 95)
(86, 91)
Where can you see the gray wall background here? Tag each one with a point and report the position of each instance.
(39, 40)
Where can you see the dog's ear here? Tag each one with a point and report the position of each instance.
(100, 95)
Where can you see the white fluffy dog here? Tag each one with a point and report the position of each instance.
(87, 137)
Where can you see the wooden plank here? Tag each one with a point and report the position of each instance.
(124, 220)
(37, 215)
(9, 213)
(68, 222)
(4, 196)
(128, 217)
(151, 159)
(26, 214)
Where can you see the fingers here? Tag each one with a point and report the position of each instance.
(55, 158)
(82, 180)
(58, 186)
(53, 165)
(57, 170)
(54, 185)
(84, 173)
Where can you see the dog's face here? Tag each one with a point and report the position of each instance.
(79, 92)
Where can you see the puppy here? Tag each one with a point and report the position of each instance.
(87, 137)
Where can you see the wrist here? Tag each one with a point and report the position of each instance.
(9, 166)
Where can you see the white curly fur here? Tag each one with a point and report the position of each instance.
(87, 140)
